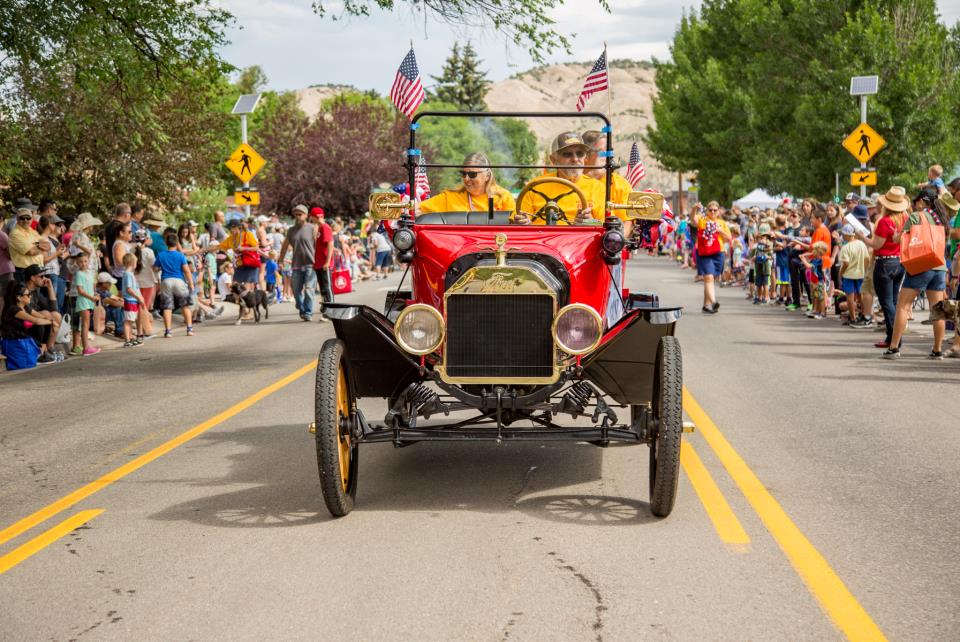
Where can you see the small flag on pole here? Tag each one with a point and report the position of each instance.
(422, 184)
(596, 81)
(407, 90)
(635, 169)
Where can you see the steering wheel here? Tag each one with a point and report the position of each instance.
(551, 212)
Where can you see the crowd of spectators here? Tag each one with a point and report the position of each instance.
(68, 281)
(839, 260)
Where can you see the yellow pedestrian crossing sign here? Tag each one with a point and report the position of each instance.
(245, 162)
(864, 142)
(246, 197)
(863, 177)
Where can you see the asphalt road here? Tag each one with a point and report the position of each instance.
(819, 500)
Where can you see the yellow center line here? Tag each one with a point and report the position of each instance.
(822, 581)
(46, 538)
(135, 464)
(725, 522)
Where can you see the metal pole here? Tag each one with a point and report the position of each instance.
(680, 193)
(836, 188)
(863, 119)
(243, 139)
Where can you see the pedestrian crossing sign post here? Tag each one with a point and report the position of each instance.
(863, 177)
(246, 197)
(864, 142)
(245, 162)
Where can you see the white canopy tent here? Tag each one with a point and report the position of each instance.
(759, 198)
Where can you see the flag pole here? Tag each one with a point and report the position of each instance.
(606, 61)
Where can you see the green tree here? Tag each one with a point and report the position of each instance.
(520, 21)
(757, 92)
(461, 81)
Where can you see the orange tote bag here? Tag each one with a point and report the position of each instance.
(922, 247)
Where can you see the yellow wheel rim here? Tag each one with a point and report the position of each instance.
(343, 412)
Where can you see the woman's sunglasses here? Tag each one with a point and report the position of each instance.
(466, 174)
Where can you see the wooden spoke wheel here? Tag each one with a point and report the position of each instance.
(668, 421)
(334, 416)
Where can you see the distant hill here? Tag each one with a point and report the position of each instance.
(556, 88)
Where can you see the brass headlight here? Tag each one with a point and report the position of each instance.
(419, 329)
(577, 328)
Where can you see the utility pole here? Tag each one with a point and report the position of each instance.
(245, 105)
(864, 86)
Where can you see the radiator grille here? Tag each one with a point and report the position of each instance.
(502, 336)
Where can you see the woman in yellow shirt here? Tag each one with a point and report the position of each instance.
(474, 194)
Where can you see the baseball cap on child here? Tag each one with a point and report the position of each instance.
(104, 277)
(847, 230)
(764, 229)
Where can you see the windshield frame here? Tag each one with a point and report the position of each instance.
(413, 152)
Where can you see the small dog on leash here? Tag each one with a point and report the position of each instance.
(249, 300)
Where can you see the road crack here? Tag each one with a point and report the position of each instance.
(599, 607)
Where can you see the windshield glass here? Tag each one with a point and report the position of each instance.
(530, 169)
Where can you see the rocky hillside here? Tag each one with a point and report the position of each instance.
(555, 88)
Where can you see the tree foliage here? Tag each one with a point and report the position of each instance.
(334, 160)
(757, 92)
(520, 21)
(461, 81)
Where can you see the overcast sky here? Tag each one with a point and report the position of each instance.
(297, 48)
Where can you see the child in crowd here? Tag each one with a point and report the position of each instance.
(87, 301)
(762, 255)
(272, 275)
(132, 301)
(781, 254)
(853, 257)
(813, 261)
(738, 269)
(111, 304)
(935, 179)
(225, 280)
(209, 279)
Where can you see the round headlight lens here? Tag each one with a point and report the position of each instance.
(577, 328)
(403, 239)
(419, 329)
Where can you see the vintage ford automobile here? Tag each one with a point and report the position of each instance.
(507, 332)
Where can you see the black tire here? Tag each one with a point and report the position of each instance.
(334, 405)
(668, 412)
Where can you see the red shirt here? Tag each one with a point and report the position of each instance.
(708, 237)
(324, 237)
(887, 226)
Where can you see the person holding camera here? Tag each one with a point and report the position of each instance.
(25, 245)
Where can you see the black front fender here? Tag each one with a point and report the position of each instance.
(378, 366)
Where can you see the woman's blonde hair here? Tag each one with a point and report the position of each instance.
(480, 159)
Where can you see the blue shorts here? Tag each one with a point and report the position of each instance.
(382, 259)
(783, 274)
(931, 281)
(710, 265)
(851, 286)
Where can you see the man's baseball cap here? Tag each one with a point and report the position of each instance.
(852, 196)
(32, 270)
(567, 140)
(300, 208)
(317, 211)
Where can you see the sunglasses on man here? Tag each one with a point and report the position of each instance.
(25, 218)
(469, 174)
(576, 153)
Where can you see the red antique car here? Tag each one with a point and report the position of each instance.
(508, 332)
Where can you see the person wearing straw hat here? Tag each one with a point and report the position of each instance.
(885, 243)
(932, 282)
(25, 246)
(155, 224)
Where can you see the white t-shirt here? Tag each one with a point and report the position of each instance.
(379, 241)
(224, 281)
(146, 277)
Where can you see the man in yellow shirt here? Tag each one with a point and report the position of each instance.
(620, 187)
(566, 149)
(25, 245)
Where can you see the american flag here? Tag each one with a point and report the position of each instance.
(421, 183)
(407, 90)
(596, 81)
(635, 169)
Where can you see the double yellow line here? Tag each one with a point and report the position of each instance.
(21, 553)
(822, 581)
